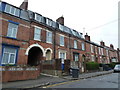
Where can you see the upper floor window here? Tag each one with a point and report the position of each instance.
(61, 27)
(61, 40)
(107, 52)
(92, 51)
(12, 10)
(12, 30)
(38, 18)
(83, 46)
(102, 50)
(75, 44)
(49, 37)
(96, 49)
(99, 50)
(37, 34)
(9, 55)
(49, 22)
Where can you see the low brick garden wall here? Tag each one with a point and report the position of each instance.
(12, 73)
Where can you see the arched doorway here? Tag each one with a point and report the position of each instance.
(34, 56)
(48, 55)
(83, 63)
(35, 53)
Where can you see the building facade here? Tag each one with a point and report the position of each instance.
(28, 38)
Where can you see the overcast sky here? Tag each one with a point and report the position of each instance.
(98, 18)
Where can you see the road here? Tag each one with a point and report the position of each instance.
(105, 81)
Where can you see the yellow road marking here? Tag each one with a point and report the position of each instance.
(60, 83)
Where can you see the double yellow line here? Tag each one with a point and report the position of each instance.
(60, 83)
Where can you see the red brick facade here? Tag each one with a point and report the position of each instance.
(27, 46)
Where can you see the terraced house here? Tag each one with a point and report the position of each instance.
(32, 43)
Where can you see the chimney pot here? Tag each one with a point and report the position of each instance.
(60, 20)
(24, 5)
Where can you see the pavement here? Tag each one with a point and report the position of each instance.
(45, 79)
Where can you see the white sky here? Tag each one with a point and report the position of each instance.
(98, 17)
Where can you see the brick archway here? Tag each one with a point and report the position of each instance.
(35, 45)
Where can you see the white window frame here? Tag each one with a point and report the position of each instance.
(107, 52)
(75, 44)
(49, 38)
(99, 50)
(9, 56)
(92, 51)
(96, 49)
(10, 10)
(61, 27)
(49, 22)
(12, 30)
(38, 17)
(62, 41)
(93, 57)
(62, 52)
(102, 51)
(76, 57)
(83, 46)
(35, 33)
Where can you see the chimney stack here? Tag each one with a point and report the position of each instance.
(60, 20)
(102, 43)
(118, 49)
(24, 5)
(87, 37)
(111, 46)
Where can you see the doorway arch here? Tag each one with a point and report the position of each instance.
(48, 53)
(35, 54)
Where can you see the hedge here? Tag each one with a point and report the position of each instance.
(92, 66)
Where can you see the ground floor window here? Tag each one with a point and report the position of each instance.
(76, 56)
(62, 55)
(9, 54)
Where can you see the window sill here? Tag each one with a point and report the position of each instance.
(37, 40)
(62, 45)
(49, 42)
(11, 38)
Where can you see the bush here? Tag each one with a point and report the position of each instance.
(112, 65)
(92, 66)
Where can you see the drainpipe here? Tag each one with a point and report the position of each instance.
(54, 43)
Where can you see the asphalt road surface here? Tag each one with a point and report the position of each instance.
(105, 81)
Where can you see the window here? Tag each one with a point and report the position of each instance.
(62, 55)
(49, 37)
(12, 30)
(53, 24)
(99, 50)
(92, 49)
(38, 18)
(107, 52)
(92, 57)
(9, 55)
(102, 50)
(24, 15)
(76, 57)
(12, 10)
(75, 44)
(61, 40)
(96, 49)
(83, 46)
(61, 27)
(37, 33)
(49, 22)
(66, 29)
